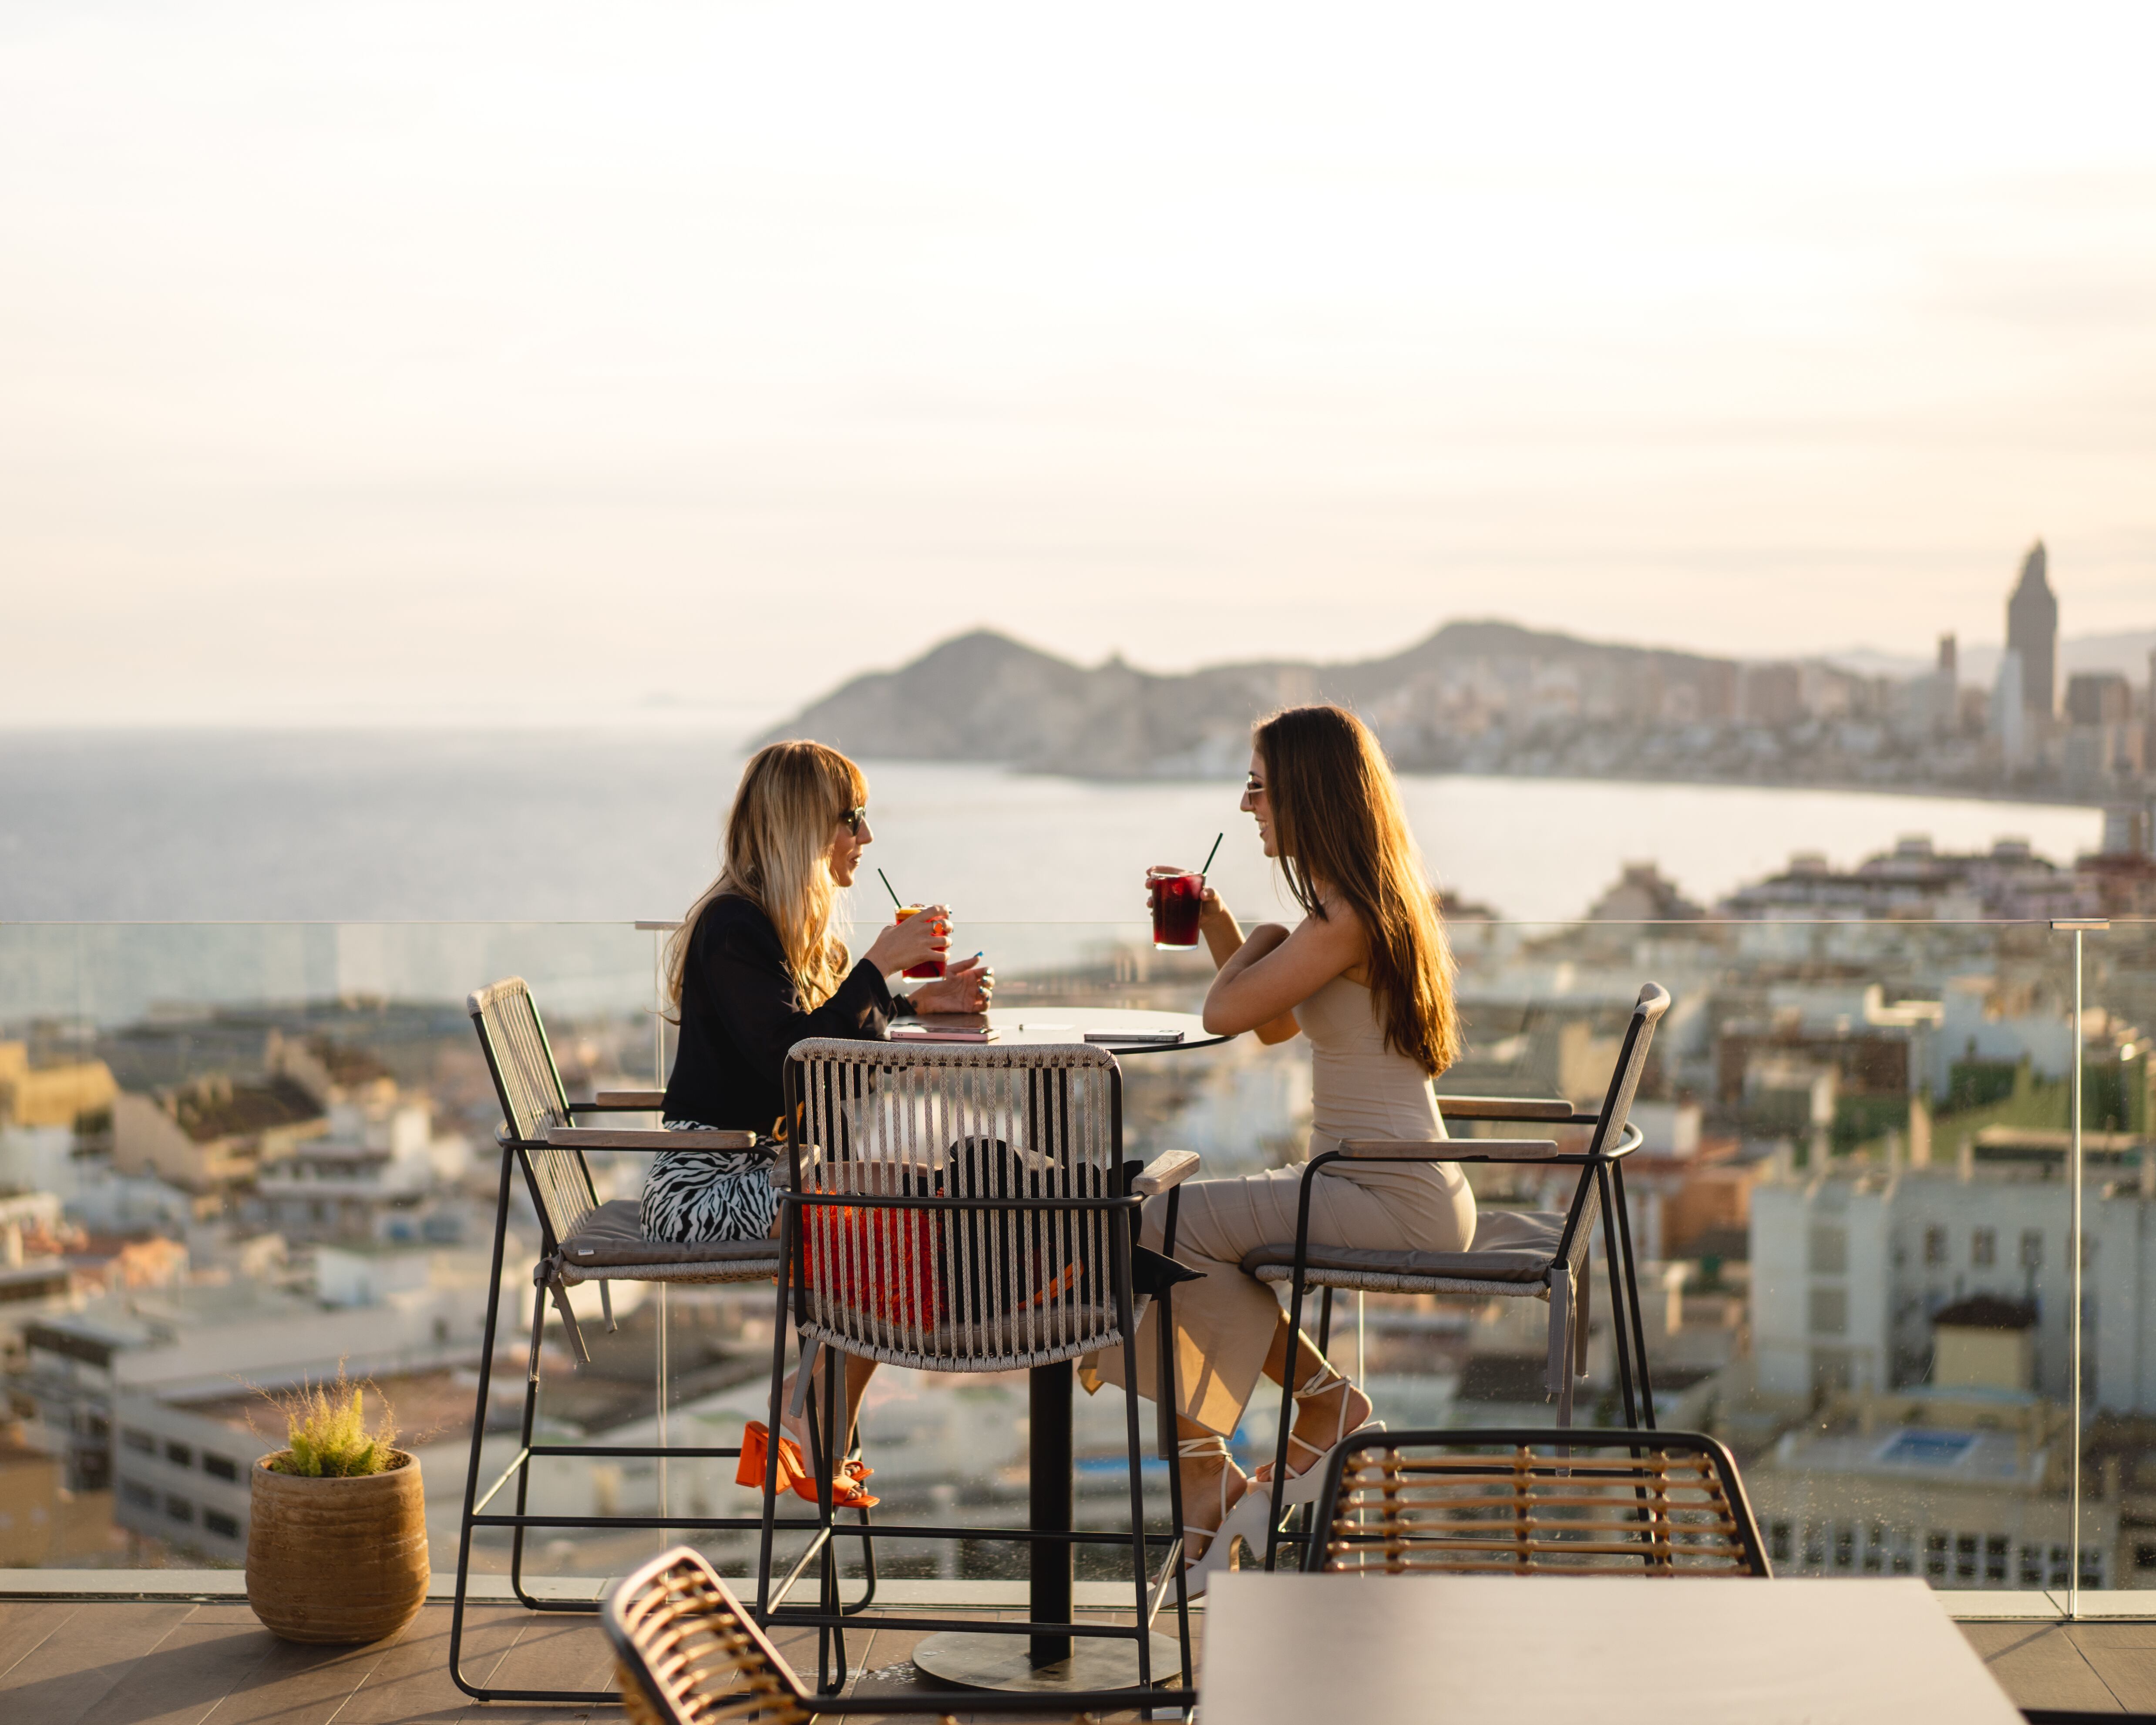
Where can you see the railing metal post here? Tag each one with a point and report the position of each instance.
(2075, 1266)
(662, 1388)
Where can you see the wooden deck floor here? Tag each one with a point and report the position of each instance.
(145, 1662)
(150, 1662)
(2090, 1667)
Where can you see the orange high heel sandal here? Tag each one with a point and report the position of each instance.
(756, 1456)
(847, 1491)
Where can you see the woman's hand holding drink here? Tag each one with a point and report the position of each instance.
(1182, 907)
(916, 943)
(929, 967)
(1179, 899)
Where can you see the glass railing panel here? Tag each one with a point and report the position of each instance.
(235, 1154)
(1850, 1131)
(1917, 1287)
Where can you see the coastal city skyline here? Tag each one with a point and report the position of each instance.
(1490, 697)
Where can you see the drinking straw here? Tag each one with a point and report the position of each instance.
(1213, 852)
(890, 889)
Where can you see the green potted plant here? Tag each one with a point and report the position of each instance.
(336, 1543)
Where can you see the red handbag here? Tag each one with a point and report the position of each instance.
(878, 1261)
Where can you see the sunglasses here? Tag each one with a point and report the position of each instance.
(851, 819)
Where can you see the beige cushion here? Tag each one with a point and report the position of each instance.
(1509, 1246)
(612, 1236)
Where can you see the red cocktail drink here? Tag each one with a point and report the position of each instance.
(1177, 895)
(932, 968)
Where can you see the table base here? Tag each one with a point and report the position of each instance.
(971, 1661)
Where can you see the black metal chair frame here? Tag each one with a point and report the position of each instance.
(517, 1154)
(1602, 1176)
(830, 1616)
(1639, 1440)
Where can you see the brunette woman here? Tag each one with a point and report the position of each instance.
(1366, 977)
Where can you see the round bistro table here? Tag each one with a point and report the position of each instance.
(1044, 1664)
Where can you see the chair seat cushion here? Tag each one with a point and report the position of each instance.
(612, 1237)
(1509, 1246)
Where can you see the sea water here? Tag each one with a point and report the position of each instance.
(360, 826)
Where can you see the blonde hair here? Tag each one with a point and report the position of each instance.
(1337, 824)
(778, 855)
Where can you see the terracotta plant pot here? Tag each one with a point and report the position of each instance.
(337, 1560)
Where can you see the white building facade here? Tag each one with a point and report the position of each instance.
(1847, 1272)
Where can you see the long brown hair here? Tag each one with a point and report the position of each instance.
(1338, 826)
(778, 855)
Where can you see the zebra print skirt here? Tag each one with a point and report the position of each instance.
(692, 1195)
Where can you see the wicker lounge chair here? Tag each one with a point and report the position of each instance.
(1530, 1502)
(687, 1652)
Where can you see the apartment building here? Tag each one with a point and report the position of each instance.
(211, 1136)
(1850, 1270)
(57, 1093)
(380, 1313)
(1922, 1315)
(182, 1476)
(182, 1460)
(373, 1173)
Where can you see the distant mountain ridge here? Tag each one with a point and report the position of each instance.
(986, 697)
(1486, 697)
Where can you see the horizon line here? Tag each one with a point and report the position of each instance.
(661, 710)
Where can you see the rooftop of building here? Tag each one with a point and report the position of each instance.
(1939, 1455)
(425, 1407)
(346, 1066)
(1986, 1312)
(139, 1317)
(220, 1107)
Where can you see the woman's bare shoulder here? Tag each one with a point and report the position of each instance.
(1342, 923)
(1340, 935)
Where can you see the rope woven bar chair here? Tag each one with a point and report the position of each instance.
(581, 1240)
(688, 1652)
(1540, 1255)
(961, 1209)
(1534, 1501)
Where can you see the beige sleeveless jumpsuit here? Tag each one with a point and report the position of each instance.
(1360, 1089)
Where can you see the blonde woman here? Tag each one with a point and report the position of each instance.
(756, 968)
(1366, 977)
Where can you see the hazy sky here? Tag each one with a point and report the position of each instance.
(534, 362)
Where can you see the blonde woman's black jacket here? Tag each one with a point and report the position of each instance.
(741, 1011)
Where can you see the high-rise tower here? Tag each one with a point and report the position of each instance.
(1946, 690)
(2032, 630)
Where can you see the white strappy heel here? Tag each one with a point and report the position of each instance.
(1303, 1487)
(1220, 1550)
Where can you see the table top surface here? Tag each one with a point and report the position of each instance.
(1071, 1024)
(1672, 1651)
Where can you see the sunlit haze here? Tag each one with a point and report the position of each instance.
(528, 362)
